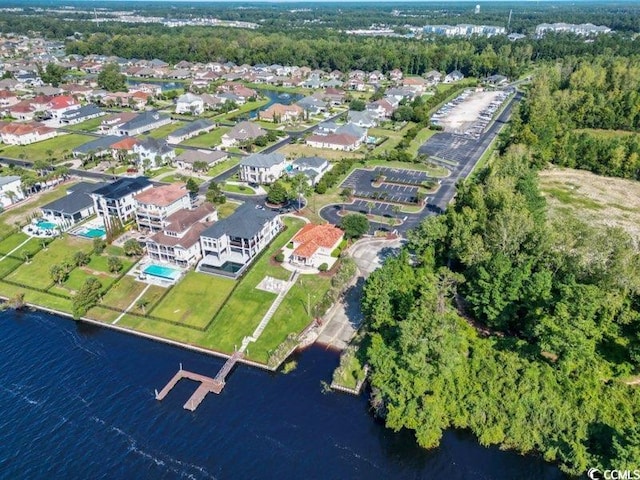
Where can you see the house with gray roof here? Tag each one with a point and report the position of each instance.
(241, 132)
(312, 105)
(153, 152)
(116, 199)
(144, 122)
(313, 167)
(263, 168)
(229, 245)
(190, 130)
(86, 112)
(98, 147)
(73, 207)
(188, 158)
(362, 119)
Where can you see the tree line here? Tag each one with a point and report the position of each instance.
(496, 319)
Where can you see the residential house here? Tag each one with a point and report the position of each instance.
(74, 207)
(313, 167)
(143, 122)
(178, 242)
(188, 158)
(312, 105)
(279, 113)
(348, 137)
(454, 76)
(22, 111)
(497, 80)
(117, 199)
(155, 204)
(263, 168)
(111, 124)
(395, 75)
(25, 133)
(364, 119)
(381, 108)
(153, 152)
(189, 103)
(82, 114)
(98, 147)
(58, 106)
(10, 190)
(242, 132)
(7, 99)
(417, 84)
(191, 129)
(230, 244)
(333, 96)
(433, 77)
(313, 244)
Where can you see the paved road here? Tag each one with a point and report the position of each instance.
(459, 154)
(345, 317)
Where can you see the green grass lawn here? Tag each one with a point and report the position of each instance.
(87, 126)
(12, 242)
(243, 189)
(125, 291)
(178, 177)
(223, 166)
(291, 315)
(195, 299)
(207, 140)
(245, 308)
(226, 209)
(8, 264)
(37, 298)
(159, 171)
(59, 147)
(165, 130)
(36, 272)
(416, 143)
(243, 109)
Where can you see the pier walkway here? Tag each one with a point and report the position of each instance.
(207, 384)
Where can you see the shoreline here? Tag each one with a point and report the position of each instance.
(149, 336)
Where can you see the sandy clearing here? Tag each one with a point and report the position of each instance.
(468, 111)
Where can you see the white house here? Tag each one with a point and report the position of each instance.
(229, 245)
(116, 200)
(153, 152)
(454, 76)
(262, 168)
(313, 167)
(10, 190)
(189, 103)
(74, 207)
(25, 133)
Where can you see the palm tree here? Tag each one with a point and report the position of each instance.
(396, 210)
(370, 206)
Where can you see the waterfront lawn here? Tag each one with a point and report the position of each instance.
(20, 214)
(223, 166)
(36, 272)
(8, 265)
(244, 310)
(59, 147)
(195, 300)
(207, 140)
(37, 298)
(151, 296)
(123, 293)
(11, 242)
(291, 315)
(102, 314)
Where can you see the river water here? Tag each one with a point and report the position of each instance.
(77, 401)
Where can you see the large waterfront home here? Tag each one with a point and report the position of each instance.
(179, 240)
(229, 245)
(116, 200)
(262, 168)
(242, 132)
(154, 205)
(74, 207)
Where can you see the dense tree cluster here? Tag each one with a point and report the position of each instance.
(555, 330)
(567, 101)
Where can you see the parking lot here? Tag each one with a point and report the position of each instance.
(470, 112)
(361, 183)
(400, 175)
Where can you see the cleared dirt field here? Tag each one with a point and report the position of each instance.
(467, 112)
(597, 200)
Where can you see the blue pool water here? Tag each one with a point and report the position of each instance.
(92, 232)
(162, 272)
(44, 225)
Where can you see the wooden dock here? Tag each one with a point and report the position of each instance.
(207, 384)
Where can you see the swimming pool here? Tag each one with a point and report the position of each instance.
(92, 232)
(44, 225)
(161, 271)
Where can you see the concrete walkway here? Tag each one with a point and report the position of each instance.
(17, 248)
(131, 305)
